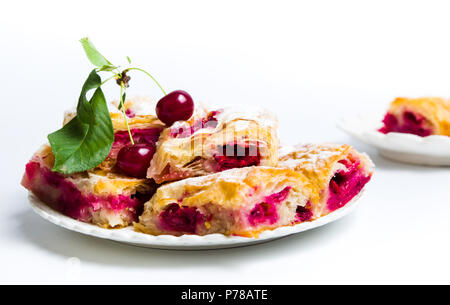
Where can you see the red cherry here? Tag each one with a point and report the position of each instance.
(175, 106)
(135, 160)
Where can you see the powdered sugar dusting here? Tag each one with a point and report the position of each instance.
(309, 156)
(261, 116)
(239, 115)
(231, 175)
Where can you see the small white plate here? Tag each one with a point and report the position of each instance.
(185, 242)
(402, 147)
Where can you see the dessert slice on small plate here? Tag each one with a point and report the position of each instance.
(414, 131)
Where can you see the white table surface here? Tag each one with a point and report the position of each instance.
(311, 63)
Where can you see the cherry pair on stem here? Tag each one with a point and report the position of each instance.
(134, 160)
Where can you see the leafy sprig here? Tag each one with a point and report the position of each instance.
(86, 140)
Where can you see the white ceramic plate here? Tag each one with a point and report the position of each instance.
(409, 148)
(185, 242)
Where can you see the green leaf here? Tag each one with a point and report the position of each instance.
(129, 60)
(84, 108)
(92, 54)
(86, 140)
(107, 68)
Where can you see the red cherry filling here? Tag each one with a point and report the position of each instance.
(140, 136)
(209, 122)
(175, 106)
(130, 113)
(411, 122)
(263, 212)
(345, 185)
(181, 219)
(266, 211)
(135, 160)
(61, 194)
(236, 156)
(304, 213)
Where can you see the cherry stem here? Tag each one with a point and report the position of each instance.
(106, 80)
(122, 89)
(143, 71)
(122, 107)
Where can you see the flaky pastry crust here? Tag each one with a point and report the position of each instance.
(321, 162)
(226, 201)
(185, 150)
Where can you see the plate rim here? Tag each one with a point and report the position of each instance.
(185, 242)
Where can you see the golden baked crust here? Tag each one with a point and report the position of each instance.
(226, 199)
(315, 161)
(320, 162)
(185, 151)
(142, 116)
(436, 111)
(229, 188)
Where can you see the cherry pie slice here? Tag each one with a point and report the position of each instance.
(220, 140)
(338, 172)
(240, 201)
(311, 181)
(419, 116)
(104, 198)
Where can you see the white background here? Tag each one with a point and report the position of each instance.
(310, 62)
